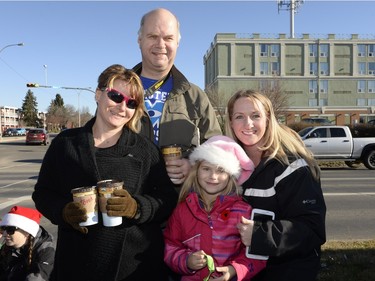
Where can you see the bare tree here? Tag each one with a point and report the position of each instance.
(273, 90)
(219, 103)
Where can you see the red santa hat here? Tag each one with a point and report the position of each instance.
(226, 153)
(24, 218)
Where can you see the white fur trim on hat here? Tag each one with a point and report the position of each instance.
(24, 218)
(217, 156)
(226, 153)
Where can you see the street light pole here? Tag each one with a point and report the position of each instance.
(45, 73)
(1, 111)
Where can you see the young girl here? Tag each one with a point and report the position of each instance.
(203, 225)
(27, 252)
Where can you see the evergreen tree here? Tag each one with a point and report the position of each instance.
(56, 114)
(30, 110)
(58, 101)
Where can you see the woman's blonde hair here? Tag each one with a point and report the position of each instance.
(191, 184)
(279, 141)
(119, 72)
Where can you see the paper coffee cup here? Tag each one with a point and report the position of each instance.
(172, 152)
(105, 190)
(87, 196)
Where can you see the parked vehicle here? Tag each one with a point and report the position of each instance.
(38, 136)
(15, 132)
(316, 120)
(20, 132)
(9, 132)
(336, 143)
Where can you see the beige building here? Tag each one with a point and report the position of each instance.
(9, 117)
(331, 77)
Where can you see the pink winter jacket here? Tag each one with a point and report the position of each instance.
(190, 228)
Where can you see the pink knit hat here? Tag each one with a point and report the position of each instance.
(25, 218)
(226, 153)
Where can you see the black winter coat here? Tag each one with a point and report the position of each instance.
(14, 262)
(292, 241)
(130, 251)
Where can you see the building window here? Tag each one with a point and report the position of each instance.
(371, 68)
(313, 87)
(361, 86)
(313, 50)
(324, 68)
(371, 102)
(264, 68)
(323, 85)
(323, 102)
(313, 102)
(313, 68)
(361, 102)
(371, 50)
(263, 50)
(361, 50)
(371, 86)
(266, 85)
(324, 48)
(275, 50)
(275, 68)
(361, 68)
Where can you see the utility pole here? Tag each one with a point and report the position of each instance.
(292, 6)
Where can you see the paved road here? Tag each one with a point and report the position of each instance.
(349, 193)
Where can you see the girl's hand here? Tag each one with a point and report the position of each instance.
(197, 260)
(227, 272)
(245, 228)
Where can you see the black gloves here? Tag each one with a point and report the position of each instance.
(122, 205)
(74, 213)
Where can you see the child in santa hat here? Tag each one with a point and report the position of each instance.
(28, 252)
(201, 237)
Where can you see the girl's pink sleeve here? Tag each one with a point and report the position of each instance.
(175, 253)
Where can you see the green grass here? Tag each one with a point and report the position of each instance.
(348, 261)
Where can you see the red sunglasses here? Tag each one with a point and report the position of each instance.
(119, 97)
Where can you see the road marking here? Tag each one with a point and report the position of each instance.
(20, 165)
(348, 193)
(14, 201)
(346, 179)
(14, 183)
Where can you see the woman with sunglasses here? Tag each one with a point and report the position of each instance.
(108, 147)
(27, 252)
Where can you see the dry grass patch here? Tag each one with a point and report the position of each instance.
(348, 261)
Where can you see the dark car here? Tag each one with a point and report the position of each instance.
(371, 122)
(10, 132)
(37, 136)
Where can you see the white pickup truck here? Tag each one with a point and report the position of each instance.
(335, 143)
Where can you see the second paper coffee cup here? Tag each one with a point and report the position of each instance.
(105, 191)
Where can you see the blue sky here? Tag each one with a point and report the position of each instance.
(77, 40)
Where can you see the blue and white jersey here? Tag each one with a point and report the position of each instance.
(155, 103)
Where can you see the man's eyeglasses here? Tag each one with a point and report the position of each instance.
(119, 97)
(9, 229)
